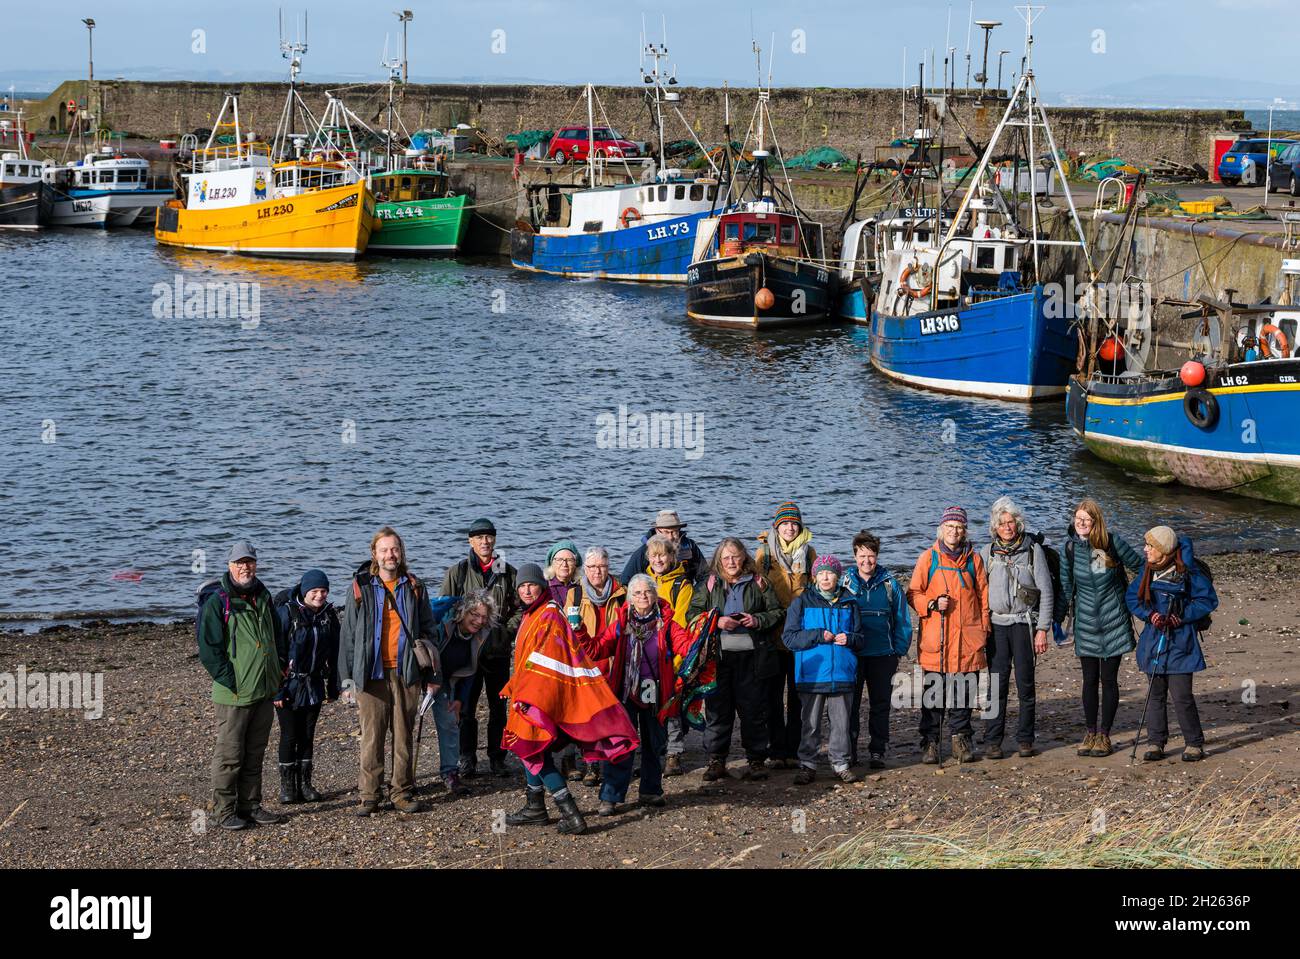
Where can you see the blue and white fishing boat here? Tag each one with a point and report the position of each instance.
(634, 231)
(105, 189)
(1225, 420)
(968, 314)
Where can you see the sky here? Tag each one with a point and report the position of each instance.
(1080, 44)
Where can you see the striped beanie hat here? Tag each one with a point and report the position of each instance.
(828, 562)
(954, 514)
(787, 511)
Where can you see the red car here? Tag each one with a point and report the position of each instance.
(570, 143)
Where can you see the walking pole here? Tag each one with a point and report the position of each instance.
(1164, 634)
(943, 679)
(419, 734)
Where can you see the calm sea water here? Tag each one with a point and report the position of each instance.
(132, 442)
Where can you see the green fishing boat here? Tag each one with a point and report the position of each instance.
(420, 215)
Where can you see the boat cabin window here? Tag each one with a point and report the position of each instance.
(663, 194)
(713, 191)
(592, 226)
(787, 233)
(680, 192)
(760, 232)
(985, 257)
(733, 231)
(697, 192)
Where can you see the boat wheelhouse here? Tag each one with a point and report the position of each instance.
(104, 189)
(25, 201)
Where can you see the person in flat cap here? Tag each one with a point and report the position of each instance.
(246, 677)
(667, 523)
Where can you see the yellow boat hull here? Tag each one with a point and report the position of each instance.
(332, 224)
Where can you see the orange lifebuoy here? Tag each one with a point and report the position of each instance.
(631, 213)
(1283, 344)
(909, 289)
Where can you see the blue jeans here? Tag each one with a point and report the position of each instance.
(448, 733)
(549, 777)
(616, 777)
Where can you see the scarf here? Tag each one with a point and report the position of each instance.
(957, 555)
(1159, 572)
(1003, 548)
(639, 629)
(598, 597)
(830, 596)
(791, 557)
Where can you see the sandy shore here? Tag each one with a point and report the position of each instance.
(130, 788)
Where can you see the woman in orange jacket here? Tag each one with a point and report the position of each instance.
(950, 593)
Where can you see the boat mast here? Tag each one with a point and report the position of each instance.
(591, 140)
(394, 69)
(293, 52)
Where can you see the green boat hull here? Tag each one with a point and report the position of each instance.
(421, 227)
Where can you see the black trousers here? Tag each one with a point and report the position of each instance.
(1179, 686)
(784, 717)
(958, 688)
(1010, 645)
(492, 675)
(876, 674)
(1106, 673)
(297, 732)
(739, 691)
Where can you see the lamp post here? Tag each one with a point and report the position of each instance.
(1001, 54)
(90, 59)
(404, 17)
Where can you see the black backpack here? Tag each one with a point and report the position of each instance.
(1060, 604)
(1206, 622)
(206, 590)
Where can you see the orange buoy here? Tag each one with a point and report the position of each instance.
(764, 299)
(1192, 374)
(1111, 350)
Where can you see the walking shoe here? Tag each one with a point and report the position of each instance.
(877, 761)
(673, 767)
(532, 812)
(568, 767)
(289, 784)
(306, 791)
(963, 749)
(264, 817)
(571, 821)
(408, 806)
(592, 776)
(994, 751)
(1088, 745)
(1026, 750)
(754, 770)
(497, 767)
(234, 821)
(657, 802)
(1193, 754)
(469, 768)
(1101, 745)
(804, 776)
(454, 784)
(847, 775)
(1154, 754)
(368, 807)
(607, 808)
(930, 752)
(717, 769)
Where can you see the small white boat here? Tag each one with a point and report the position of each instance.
(105, 190)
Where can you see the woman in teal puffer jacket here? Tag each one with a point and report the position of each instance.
(1094, 580)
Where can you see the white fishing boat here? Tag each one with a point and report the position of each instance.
(105, 189)
(24, 198)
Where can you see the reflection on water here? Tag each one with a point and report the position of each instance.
(470, 389)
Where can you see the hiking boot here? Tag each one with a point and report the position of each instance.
(1101, 745)
(877, 761)
(454, 784)
(469, 768)
(368, 807)
(657, 802)
(408, 806)
(1026, 750)
(234, 821)
(571, 821)
(1154, 754)
(847, 775)
(532, 812)
(673, 767)
(994, 751)
(963, 749)
(592, 776)
(306, 791)
(568, 767)
(1088, 745)
(717, 769)
(289, 784)
(607, 808)
(497, 767)
(804, 776)
(930, 753)
(264, 817)
(1193, 754)
(754, 770)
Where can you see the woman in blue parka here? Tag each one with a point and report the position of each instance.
(1171, 596)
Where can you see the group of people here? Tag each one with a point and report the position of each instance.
(584, 671)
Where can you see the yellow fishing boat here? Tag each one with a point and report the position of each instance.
(237, 200)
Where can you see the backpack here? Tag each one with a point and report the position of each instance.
(934, 567)
(206, 590)
(1206, 622)
(1060, 605)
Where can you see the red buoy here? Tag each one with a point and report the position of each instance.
(1192, 374)
(764, 299)
(1111, 350)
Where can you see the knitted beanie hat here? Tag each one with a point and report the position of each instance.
(787, 511)
(827, 562)
(954, 514)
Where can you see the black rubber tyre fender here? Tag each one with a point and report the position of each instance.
(1202, 408)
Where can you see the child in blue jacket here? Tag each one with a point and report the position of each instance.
(823, 629)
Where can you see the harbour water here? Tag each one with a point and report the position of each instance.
(425, 393)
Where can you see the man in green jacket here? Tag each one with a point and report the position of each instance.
(242, 648)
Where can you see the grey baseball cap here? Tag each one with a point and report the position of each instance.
(242, 550)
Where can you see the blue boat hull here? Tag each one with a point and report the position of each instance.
(652, 253)
(1251, 447)
(1004, 347)
(853, 305)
